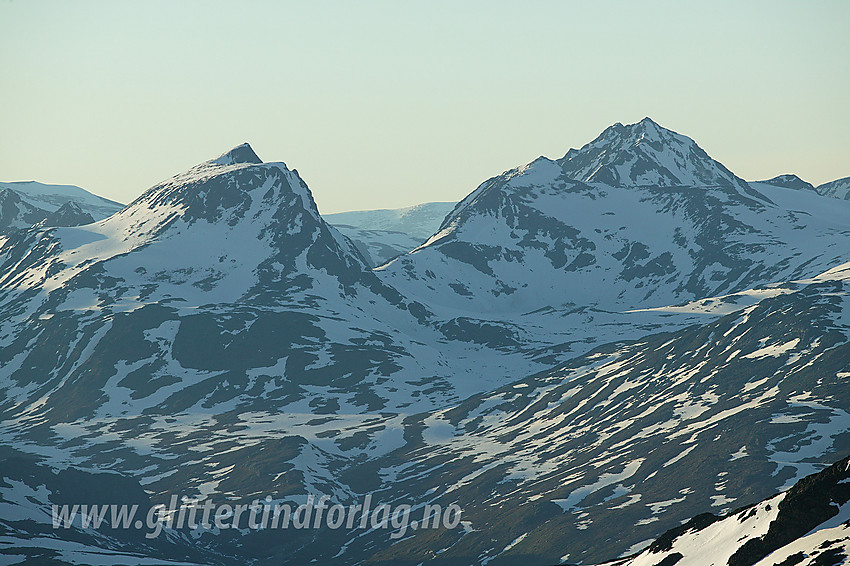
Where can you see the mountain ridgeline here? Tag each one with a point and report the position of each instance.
(24, 204)
(640, 217)
(628, 335)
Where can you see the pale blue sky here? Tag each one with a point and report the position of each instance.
(391, 103)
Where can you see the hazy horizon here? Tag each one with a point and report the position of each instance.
(382, 105)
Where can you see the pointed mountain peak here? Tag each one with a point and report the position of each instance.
(645, 153)
(240, 154)
(647, 131)
(8, 195)
(235, 188)
(69, 214)
(647, 128)
(70, 207)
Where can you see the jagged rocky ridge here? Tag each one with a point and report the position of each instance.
(645, 154)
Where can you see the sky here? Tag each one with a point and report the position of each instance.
(383, 104)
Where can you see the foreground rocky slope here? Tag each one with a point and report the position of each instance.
(808, 525)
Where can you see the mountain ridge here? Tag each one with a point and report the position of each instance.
(620, 245)
(571, 351)
(49, 197)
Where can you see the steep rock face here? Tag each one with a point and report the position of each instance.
(17, 214)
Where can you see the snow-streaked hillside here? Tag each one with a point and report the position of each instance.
(839, 189)
(646, 434)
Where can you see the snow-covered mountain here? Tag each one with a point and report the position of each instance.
(278, 226)
(221, 295)
(52, 197)
(628, 335)
(222, 290)
(222, 284)
(839, 189)
(551, 235)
